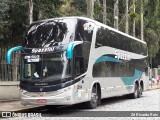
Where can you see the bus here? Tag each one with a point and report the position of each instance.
(70, 60)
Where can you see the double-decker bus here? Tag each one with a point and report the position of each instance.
(71, 60)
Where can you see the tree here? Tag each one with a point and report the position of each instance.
(30, 11)
(13, 21)
(142, 36)
(104, 12)
(116, 11)
(152, 26)
(126, 29)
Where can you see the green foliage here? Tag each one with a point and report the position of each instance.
(13, 22)
(132, 15)
(98, 12)
(152, 26)
(73, 8)
(46, 9)
(152, 39)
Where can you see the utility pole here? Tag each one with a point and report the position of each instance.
(126, 29)
(30, 11)
(104, 12)
(116, 14)
(142, 20)
(134, 21)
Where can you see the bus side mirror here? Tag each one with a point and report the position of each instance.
(9, 53)
(69, 51)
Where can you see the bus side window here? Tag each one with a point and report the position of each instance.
(79, 66)
(78, 61)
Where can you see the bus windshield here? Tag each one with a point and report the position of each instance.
(46, 67)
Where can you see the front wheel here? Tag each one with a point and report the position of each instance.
(94, 99)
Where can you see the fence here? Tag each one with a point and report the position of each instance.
(9, 72)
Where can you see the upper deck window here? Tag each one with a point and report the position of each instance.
(106, 37)
(84, 31)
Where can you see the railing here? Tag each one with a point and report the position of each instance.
(9, 72)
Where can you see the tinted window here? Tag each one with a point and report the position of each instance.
(50, 33)
(106, 37)
(84, 31)
(113, 69)
(80, 60)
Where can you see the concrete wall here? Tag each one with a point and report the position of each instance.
(9, 90)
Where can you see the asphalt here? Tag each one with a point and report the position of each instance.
(15, 106)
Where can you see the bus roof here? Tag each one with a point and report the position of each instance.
(97, 23)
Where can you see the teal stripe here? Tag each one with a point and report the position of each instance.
(130, 80)
(106, 58)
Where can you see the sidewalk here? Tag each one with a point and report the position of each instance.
(15, 106)
(154, 86)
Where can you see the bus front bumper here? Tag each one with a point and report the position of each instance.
(61, 97)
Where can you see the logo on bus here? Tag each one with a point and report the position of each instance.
(121, 55)
(41, 50)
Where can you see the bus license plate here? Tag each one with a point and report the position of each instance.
(41, 101)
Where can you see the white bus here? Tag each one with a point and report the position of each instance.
(71, 60)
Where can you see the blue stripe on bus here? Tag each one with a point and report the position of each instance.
(69, 50)
(9, 53)
(130, 80)
(126, 80)
(106, 58)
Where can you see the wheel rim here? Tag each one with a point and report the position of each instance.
(136, 92)
(140, 90)
(94, 98)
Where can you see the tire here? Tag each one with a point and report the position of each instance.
(95, 97)
(140, 91)
(136, 92)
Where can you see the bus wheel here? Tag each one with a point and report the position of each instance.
(94, 99)
(136, 92)
(140, 91)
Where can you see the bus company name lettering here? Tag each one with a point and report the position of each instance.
(121, 55)
(40, 50)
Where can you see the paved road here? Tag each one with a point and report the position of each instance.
(150, 101)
